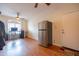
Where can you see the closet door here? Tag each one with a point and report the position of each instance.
(71, 31)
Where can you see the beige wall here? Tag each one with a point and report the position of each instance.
(56, 19)
(6, 19)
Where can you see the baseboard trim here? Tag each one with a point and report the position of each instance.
(71, 49)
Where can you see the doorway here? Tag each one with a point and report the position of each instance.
(14, 30)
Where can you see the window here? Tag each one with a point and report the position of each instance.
(14, 27)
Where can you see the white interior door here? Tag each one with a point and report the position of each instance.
(71, 31)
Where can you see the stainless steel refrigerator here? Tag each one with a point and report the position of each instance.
(45, 33)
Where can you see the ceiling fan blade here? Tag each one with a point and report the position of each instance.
(47, 4)
(36, 5)
(0, 12)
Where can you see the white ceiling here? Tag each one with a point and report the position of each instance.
(28, 11)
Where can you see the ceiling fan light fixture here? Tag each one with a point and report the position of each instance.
(47, 4)
(36, 4)
(17, 16)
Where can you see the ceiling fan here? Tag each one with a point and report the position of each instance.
(17, 17)
(36, 4)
